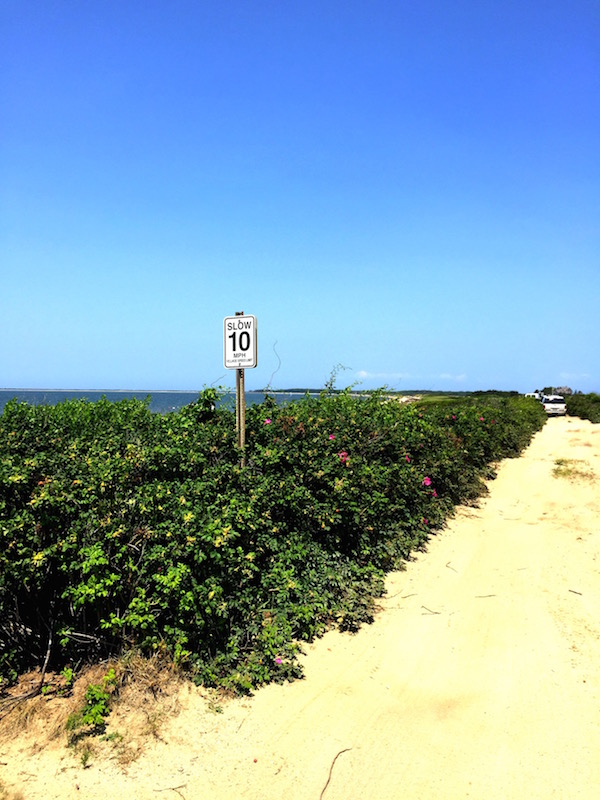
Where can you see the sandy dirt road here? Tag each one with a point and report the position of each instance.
(480, 678)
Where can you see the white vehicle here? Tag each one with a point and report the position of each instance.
(554, 404)
(537, 395)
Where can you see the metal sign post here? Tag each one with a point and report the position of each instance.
(239, 352)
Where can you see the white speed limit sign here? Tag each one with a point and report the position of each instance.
(239, 342)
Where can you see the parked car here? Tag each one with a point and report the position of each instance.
(554, 404)
(537, 395)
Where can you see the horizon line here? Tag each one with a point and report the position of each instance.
(266, 390)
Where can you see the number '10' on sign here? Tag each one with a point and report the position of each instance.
(244, 341)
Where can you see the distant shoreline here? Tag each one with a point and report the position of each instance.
(108, 391)
(158, 400)
(266, 391)
(191, 391)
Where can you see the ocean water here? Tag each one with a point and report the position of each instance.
(161, 402)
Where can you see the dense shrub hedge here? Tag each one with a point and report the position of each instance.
(124, 529)
(586, 406)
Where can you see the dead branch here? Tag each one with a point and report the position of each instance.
(173, 789)
(331, 770)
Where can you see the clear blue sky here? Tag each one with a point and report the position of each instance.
(410, 189)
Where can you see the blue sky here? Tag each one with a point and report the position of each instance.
(409, 189)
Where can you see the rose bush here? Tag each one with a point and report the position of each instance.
(124, 529)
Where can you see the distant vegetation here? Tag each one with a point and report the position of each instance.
(586, 406)
(121, 529)
(404, 392)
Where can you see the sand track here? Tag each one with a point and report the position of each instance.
(480, 678)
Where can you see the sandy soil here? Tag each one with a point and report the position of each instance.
(480, 678)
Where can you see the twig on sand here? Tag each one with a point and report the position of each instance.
(331, 770)
(173, 789)
(391, 596)
(430, 611)
(452, 568)
(575, 592)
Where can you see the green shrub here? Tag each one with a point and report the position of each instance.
(586, 406)
(122, 529)
(91, 718)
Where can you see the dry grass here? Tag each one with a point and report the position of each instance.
(44, 714)
(145, 697)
